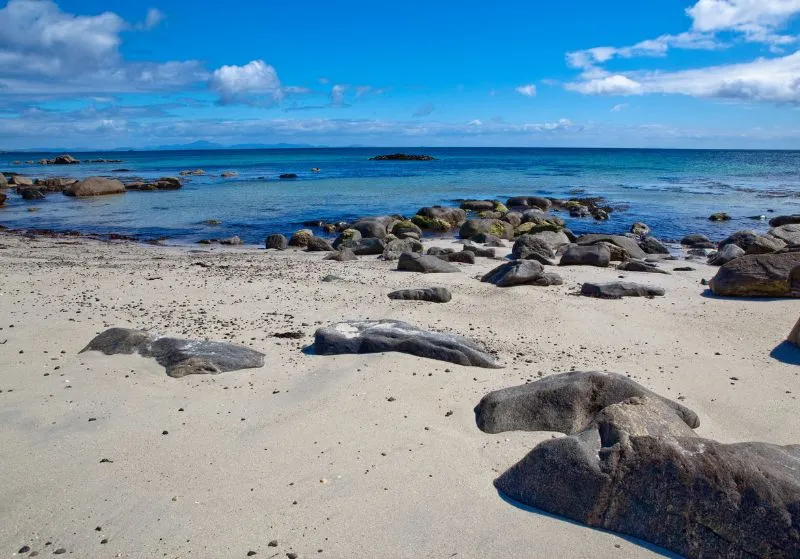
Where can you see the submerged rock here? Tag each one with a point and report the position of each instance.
(719, 216)
(402, 157)
(178, 356)
(620, 289)
(378, 336)
(430, 294)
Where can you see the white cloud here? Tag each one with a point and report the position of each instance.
(337, 95)
(526, 90)
(154, 17)
(256, 83)
(619, 108)
(757, 20)
(475, 122)
(609, 85)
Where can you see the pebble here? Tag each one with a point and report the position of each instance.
(291, 555)
(59, 551)
(24, 549)
(273, 543)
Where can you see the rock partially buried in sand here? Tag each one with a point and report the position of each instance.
(378, 336)
(95, 186)
(521, 272)
(344, 254)
(760, 275)
(620, 289)
(640, 266)
(592, 255)
(178, 356)
(425, 264)
(430, 294)
(726, 254)
(276, 242)
(794, 335)
(629, 246)
(633, 465)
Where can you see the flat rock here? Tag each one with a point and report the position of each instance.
(590, 255)
(344, 254)
(178, 356)
(790, 234)
(759, 275)
(641, 266)
(378, 336)
(429, 294)
(619, 289)
(629, 245)
(95, 186)
(784, 220)
(521, 272)
(425, 264)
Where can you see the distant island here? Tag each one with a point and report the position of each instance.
(402, 157)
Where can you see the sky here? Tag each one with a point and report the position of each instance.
(576, 73)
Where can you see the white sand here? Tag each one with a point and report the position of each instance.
(314, 430)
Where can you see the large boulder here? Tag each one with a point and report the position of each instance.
(753, 243)
(784, 220)
(790, 234)
(371, 228)
(406, 228)
(627, 244)
(759, 275)
(276, 242)
(348, 237)
(378, 336)
(429, 294)
(591, 255)
(396, 247)
(19, 180)
(495, 227)
(634, 465)
(521, 272)
(30, 194)
(651, 245)
(439, 219)
(95, 186)
(318, 244)
(529, 202)
(794, 335)
(697, 241)
(725, 255)
(620, 289)
(531, 247)
(301, 238)
(425, 264)
(178, 356)
(64, 160)
(365, 247)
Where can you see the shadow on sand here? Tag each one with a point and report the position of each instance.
(786, 352)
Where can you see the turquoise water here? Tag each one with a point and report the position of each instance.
(674, 191)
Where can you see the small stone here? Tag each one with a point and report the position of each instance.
(390, 399)
(59, 551)
(24, 549)
(104, 541)
(449, 413)
(165, 432)
(291, 555)
(251, 553)
(273, 543)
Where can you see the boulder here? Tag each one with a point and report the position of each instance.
(195, 172)
(437, 217)
(178, 356)
(640, 266)
(784, 220)
(3, 181)
(759, 275)
(697, 241)
(640, 229)
(95, 186)
(286, 176)
(276, 242)
(630, 246)
(529, 202)
(620, 289)
(719, 216)
(725, 255)
(396, 247)
(301, 238)
(3, 197)
(402, 228)
(344, 254)
(486, 239)
(794, 335)
(164, 183)
(439, 251)
(365, 247)
(521, 272)
(463, 257)
(378, 336)
(531, 247)
(494, 227)
(232, 241)
(651, 245)
(480, 251)
(64, 160)
(430, 294)
(789, 234)
(555, 240)
(53, 184)
(347, 237)
(478, 205)
(318, 244)
(402, 157)
(752, 243)
(514, 218)
(592, 255)
(30, 194)
(370, 228)
(636, 467)
(425, 264)
(19, 180)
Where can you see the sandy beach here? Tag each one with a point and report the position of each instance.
(332, 456)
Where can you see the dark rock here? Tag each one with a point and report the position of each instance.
(789, 234)
(402, 157)
(301, 238)
(285, 176)
(439, 251)
(366, 247)
(53, 184)
(630, 246)
(619, 289)
(725, 255)
(759, 275)
(370, 228)
(95, 186)
(478, 205)
(685, 269)
(463, 257)
(378, 336)
(396, 247)
(231, 241)
(529, 202)
(521, 272)
(425, 264)
(430, 294)
(651, 245)
(348, 237)
(487, 239)
(179, 357)
(752, 243)
(31, 194)
(3, 181)
(3, 197)
(318, 244)
(64, 160)
(439, 219)
(164, 183)
(719, 216)
(640, 266)
(592, 255)
(276, 242)
(494, 227)
(344, 254)
(531, 247)
(640, 229)
(784, 220)
(697, 241)
(406, 227)
(480, 251)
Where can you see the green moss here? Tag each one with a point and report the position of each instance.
(405, 224)
(497, 229)
(500, 207)
(431, 224)
(350, 234)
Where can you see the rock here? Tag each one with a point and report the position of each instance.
(231, 241)
(636, 467)
(3, 181)
(19, 180)
(794, 335)
(759, 275)
(480, 251)
(286, 176)
(425, 264)
(651, 245)
(566, 403)
(430, 294)
(229, 174)
(396, 247)
(301, 238)
(494, 227)
(439, 219)
(406, 227)
(592, 255)
(3, 197)
(30, 194)
(179, 357)
(164, 183)
(53, 184)
(276, 242)
(725, 255)
(378, 336)
(196, 172)
(640, 229)
(370, 228)
(620, 289)
(95, 186)
(318, 244)
(630, 246)
(753, 243)
(439, 251)
(521, 272)
(514, 218)
(719, 216)
(402, 157)
(789, 234)
(478, 205)
(486, 239)
(697, 241)
(463, 257)
(531, 247)
(366, 247)
(347, 237)
(529, 202)
(64, 160)
(344, 254)
(640, 266)
(784, 220)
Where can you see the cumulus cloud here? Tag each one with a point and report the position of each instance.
(256, 83)
(526, 90)
(757, 20)
(337, 95)
(154, 17)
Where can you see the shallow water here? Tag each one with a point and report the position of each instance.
(674, 191)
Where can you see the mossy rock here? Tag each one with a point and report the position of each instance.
(490, 215)
(431, 224)
(719, 216)
(500, 207)
(532, 228)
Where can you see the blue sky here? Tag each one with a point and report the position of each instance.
(109, 74)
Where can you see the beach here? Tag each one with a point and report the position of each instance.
(351, 455)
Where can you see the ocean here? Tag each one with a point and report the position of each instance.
(673, 191)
